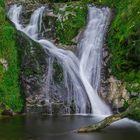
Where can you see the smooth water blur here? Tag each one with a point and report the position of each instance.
(90, 49)
(61, 128)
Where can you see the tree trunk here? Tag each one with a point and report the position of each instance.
(109, 120)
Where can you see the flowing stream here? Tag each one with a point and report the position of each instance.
(82, 72)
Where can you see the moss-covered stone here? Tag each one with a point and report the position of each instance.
(33, 64)
(135, 115)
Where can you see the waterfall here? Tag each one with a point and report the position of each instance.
(81, 73)
(91, 51)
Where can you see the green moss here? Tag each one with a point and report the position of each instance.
(135, 112)
(62, 1)
(71, 19)
(28, 71)
(135, 115)
(9, 79)
(1, 3)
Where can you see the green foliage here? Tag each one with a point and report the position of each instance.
(71, 20)
(9, 79)
(58, 1)
(3, 107)
(135, 113)
(2, 16)
(1, 3)
(126, 104)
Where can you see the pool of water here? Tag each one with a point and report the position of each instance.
(61, 128)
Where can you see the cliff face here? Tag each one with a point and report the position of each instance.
(61, 25)
(33, 71)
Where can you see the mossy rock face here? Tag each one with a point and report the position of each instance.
(33, 67)
(134, 112)
(6, 110)
(27, 1)
(48, 31)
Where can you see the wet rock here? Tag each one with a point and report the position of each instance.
(4, 63)
(117, 93)
(27, 1)
(105, 74)
(112, 90)
(33, 69)
(48, 28)
(73, 108)
(58, 108)
(134, 95)
(8, 112)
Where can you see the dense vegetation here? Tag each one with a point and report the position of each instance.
(10, 96)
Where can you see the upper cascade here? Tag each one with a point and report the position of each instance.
(81, 73)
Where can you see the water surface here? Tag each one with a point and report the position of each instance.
(61, 128)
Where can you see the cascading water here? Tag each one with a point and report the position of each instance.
(91, 51)
(81, 74)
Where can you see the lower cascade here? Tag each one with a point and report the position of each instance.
(81, 72)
